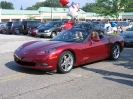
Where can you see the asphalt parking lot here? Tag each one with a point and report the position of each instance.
(100, 80)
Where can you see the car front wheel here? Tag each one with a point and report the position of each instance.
(115, 52)
(65, 62)
(53, 34)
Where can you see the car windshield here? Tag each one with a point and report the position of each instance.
(41, 26)
(77, 25)
(71, 36)
(51, 24)
(123, 23)
(9, 23)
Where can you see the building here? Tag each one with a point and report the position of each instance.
(48, 13)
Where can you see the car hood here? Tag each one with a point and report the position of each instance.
(44, 28)
(43, 45)
(127, 34)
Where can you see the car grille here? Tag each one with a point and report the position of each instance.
(24, 63)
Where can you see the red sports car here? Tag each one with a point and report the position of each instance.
(70, 48)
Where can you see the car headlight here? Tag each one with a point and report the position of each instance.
(46, 51)
(47, 31)
(19, 48)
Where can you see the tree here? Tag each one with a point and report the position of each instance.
(111, 8)
(21, 8)
(6, 5)
(89, 7)
(129, 7)
(30, 17)
(46, 3)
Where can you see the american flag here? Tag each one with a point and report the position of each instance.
(75, 6)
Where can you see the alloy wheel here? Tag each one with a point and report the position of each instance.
(116, 51)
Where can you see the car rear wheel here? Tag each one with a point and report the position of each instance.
(115, 52)
(53, 34)
(3, 31)
(65, 62)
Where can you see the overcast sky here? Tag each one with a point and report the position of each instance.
(27, 3)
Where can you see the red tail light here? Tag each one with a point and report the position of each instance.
(11, 28)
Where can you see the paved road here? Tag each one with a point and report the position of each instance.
(100, 80)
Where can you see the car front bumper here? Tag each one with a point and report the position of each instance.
(44, 34)
(42, 62)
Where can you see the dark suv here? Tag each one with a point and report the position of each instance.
(26, 25)
(13, 27)
(88, 27)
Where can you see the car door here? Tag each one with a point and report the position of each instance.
(96, 50)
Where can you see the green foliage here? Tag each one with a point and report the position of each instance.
(31, 17)
(129, 7)
(89, 7)
(6, 5)
(114, 33)
(111, 8)
(47, 3)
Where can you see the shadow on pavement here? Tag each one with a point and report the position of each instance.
(109, 73)
(126, 58)
(13, 66)
(122, 81)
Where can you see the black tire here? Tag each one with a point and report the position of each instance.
(68, 56)
(125, 45)
(17, 32)
(41, 36)
(25, 33)
(3, 31)
(53, 34)
(115, 52)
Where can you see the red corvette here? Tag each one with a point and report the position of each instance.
(70, 48)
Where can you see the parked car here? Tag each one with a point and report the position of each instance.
(99, 23)
(3, 24)
(128, 37)
(13, 27)
(50, 29)
(34, 31)
(125, 25)
(67, 50)
(26, 25)
(130, 29)
(88, 26)
(3, 28)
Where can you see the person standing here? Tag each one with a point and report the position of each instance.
(107, 27)
(119, 29)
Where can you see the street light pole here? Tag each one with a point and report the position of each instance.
(51, 9)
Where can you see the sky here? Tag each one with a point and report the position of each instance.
(27, 3)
